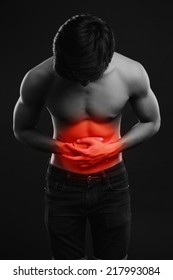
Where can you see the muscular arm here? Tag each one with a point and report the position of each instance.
(27, 110)
(145, 107)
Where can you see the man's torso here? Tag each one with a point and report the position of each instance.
(91, 111)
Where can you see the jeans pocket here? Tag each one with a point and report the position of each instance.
(118, 183)
(54, 187)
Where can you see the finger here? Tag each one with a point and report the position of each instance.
(75, 149)
(92, 138)
(99, 138)
(89, 140)
(69, 157)
(70, 146)
(78, 158)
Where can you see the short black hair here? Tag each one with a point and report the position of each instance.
(83, 48)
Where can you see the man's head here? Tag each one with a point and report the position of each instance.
(83, 48)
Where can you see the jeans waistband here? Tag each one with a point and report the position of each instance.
(57, 172)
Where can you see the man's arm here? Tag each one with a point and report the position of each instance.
(145, 107)
(27, 112)
(33, 91)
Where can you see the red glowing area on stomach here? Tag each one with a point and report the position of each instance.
(108, 131)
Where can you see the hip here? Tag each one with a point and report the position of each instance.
(104, 192)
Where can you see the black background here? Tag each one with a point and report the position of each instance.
(144, 33)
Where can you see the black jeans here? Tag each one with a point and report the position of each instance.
(101, 197)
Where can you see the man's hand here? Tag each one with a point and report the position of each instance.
(97, 151)
(65, 148)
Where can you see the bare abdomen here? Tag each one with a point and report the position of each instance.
(87, 128)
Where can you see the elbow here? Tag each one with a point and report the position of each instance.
(17, 134)
(156, 126)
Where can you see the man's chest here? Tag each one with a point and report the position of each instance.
(77, 105)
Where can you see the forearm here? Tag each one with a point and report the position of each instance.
(138, 134)
(37, 140)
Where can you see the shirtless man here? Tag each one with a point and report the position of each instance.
(85, 86)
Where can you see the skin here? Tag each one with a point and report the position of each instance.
(86, 120)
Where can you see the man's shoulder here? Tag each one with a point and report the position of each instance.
(126, 64)
(130, 70)
(41, 74)
(42, 70)
(37, 82)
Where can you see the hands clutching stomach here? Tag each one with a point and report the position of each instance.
(89, 151)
